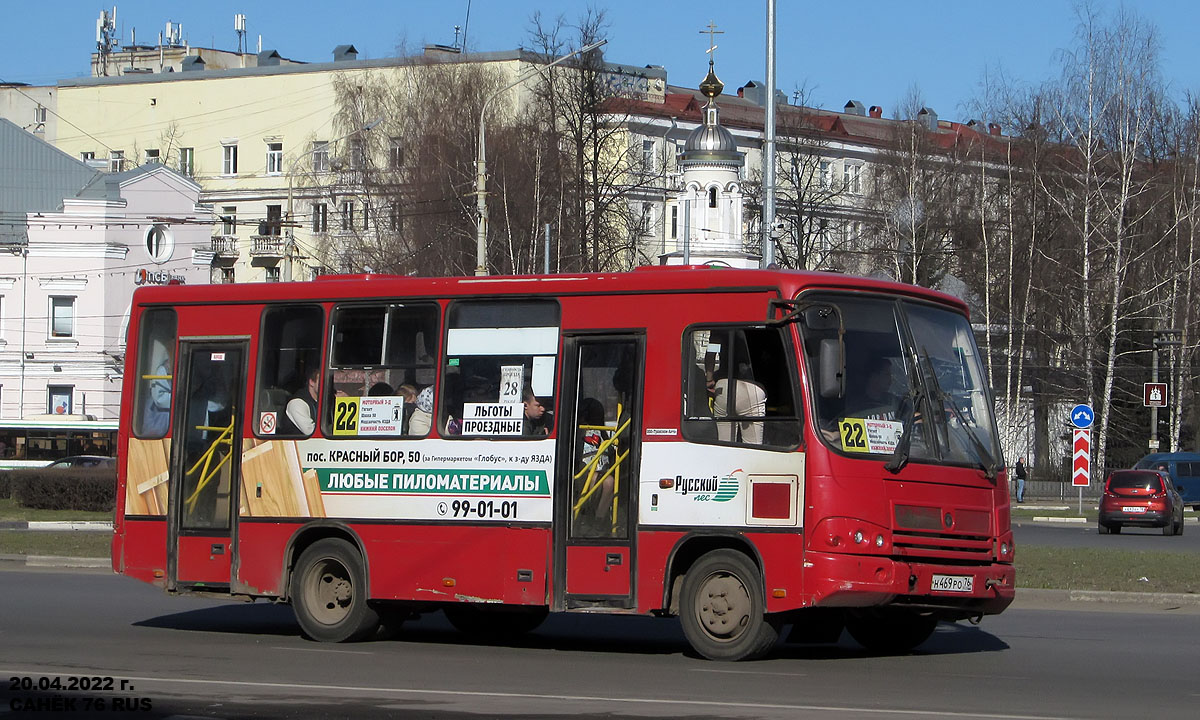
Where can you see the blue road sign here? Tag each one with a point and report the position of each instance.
(1082, 416)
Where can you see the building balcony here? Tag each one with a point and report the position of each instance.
(267, 246)
(225, 247)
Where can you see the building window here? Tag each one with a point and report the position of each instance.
(152, 156)
(348, 215)
(366, 213)
(273, 225)
(644, 220)
(116, 161)
(396, 154)
(58, 399)
(273, 273)
(87, 155)
(320, 218)
(229, 220)
(229, 159)
(62, 317)
(648, 164)
(187, 160)
(39, 114)
(712, 197)
(395, 219)
(852, 178)
(227, 275)
(320, 156)
(159, 243)
(358, 153)
(674, 221)
(826, 170)
(274, 158)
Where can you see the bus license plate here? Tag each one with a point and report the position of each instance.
(952, 583)
(1133, 509)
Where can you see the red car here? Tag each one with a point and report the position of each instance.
(1141, 498)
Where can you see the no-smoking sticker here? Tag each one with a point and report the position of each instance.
(266, 423)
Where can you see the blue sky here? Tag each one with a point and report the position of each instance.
(873, 51)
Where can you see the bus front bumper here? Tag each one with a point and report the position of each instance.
(844, 580)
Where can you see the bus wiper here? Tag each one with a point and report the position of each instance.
(900, 454)
(986, 463)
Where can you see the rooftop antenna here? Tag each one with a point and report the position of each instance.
(457, 30)
(239, 25)
(106, 37)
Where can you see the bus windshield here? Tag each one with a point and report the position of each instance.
(904, 364)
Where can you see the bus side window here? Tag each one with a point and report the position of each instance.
(155, 373)
(739, 388)
(289, 349)
(500, 368)
(386, 357)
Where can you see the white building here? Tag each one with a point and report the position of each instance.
(76, 244)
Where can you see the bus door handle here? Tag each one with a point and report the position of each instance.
(218, 548)
(613, 559)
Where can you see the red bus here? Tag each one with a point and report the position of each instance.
(743, 449)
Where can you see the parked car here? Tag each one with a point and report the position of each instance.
(84, 461)
(1140, 498)
(1184, 469)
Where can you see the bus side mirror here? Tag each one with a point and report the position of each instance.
(822, 317)
(831, 381)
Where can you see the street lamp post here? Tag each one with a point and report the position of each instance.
(1162, 338)
(481, 156)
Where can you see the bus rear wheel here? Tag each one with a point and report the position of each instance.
(495, 623)
(889, 631)
(722, 608)
(329, 593)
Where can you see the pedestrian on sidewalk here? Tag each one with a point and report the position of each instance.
(1022, 476)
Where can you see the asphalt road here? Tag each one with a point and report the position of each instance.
(200, 657)
(1085, 536)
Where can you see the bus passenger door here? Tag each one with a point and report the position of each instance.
(204, 464)
(598, 454)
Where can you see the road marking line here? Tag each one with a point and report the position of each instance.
(749, 672)
(340, 652)
(724, 704)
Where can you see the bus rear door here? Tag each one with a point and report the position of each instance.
(204, 464)
(598, 458)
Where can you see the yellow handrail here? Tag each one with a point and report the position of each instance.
(591, 484)
(207, 474)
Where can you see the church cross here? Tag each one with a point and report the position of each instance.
(712, 30)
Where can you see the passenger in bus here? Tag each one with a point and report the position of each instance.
(156, 413)
(422, 416)
(537, 418)
(380, 389)
(749, 400)
(299, 416)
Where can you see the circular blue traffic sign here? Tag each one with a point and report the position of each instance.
(1082, 416)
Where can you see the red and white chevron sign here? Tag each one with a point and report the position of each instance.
(1081, 474)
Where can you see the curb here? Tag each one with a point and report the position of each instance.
(1107, 597)
(54, 561)
(58, 525)
(1058, 519)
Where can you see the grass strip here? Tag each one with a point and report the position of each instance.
(10, 510)
(65, 544)
(1106, 569)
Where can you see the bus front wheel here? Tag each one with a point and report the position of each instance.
(722, 608)
(890, 631)
(329, 595)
